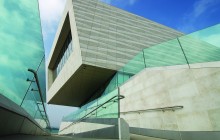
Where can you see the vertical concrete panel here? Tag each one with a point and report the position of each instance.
(195, 89)
(214, 115)
(10, 123)
(28, 128)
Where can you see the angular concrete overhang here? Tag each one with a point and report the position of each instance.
(100, 48)
(76, 82)
(81, 86)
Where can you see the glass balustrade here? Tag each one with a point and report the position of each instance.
(21, 48)
(198, 47)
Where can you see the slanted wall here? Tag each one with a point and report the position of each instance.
(196, 89)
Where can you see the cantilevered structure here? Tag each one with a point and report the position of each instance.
(93, 41)
(130, 75)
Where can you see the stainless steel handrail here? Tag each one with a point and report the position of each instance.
(173, 108)
(96, 106)
(84, 117)
(41, 96)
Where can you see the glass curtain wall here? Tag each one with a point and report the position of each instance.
(21, 48)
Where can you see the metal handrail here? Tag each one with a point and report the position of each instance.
(41, 96)
(173, 108)
(84, 117)
(96, 106)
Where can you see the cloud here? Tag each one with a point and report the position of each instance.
(120, 2)
(51, 12)
(132, 2)
(199, 9)
(202, 6)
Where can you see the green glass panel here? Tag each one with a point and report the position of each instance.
(29, 104)
(198, 47)
(84, 111)
(21, 46)
(135, 65)
(95, 109)
(165, 54)
(34, 107)
(123, 76)
(120, 78)
(72, 116)
(91, 109)
(42, 80)
(110, 109)
(112, 85)
(40, 119)
(38, 116)
(202, 46)
(126, 76)
(210, 35)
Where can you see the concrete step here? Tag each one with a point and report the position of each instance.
(30, 137)
(140, 137)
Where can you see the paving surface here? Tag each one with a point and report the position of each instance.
(28, 137)
(139, 137)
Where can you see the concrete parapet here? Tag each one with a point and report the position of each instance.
(15, 120)
(106, 128)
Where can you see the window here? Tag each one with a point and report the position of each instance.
(65, 52)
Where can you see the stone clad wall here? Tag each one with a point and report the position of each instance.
(197, 89)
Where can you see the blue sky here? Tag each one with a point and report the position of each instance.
(184, 15)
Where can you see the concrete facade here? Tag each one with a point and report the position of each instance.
(104, 39)
(15, 120)
(196, 89)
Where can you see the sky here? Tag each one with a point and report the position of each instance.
(186, 16)
(50, 13)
